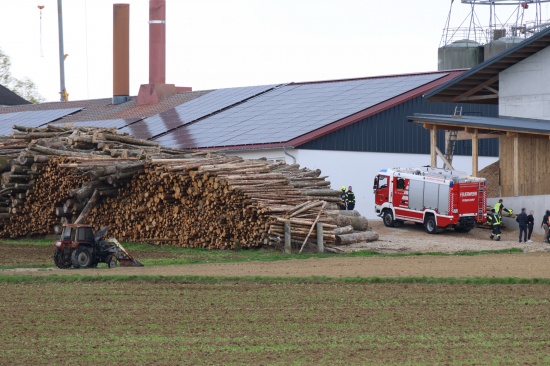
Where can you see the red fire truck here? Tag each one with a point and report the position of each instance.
(436, 198)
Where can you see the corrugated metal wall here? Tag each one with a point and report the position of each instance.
(389, 131)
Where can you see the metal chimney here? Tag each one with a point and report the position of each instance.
(121, 53)
(157, 41)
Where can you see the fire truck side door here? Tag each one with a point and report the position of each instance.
(382, 194)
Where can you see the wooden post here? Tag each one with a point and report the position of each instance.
(320, 243)
(288, 247)
(433, 146)
(475, 153)
(516, 165)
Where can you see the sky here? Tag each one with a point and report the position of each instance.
(226, 43)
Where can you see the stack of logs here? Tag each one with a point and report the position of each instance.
(58, 175)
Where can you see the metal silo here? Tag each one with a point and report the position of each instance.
(461, 54)
(500, 45)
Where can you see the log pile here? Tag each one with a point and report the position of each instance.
(57, 175)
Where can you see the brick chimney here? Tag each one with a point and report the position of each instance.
(121, 53)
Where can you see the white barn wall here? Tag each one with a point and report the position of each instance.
(357, 168)
(524, 88)
(539, 204)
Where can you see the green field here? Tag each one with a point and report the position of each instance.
(168, 322)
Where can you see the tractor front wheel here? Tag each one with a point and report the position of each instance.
(81, 258)
(111, 261)
(60, 260)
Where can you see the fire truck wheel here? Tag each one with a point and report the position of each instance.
(81, 258)
(430, 225)
(388, 218)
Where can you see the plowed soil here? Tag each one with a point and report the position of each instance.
(143, 323)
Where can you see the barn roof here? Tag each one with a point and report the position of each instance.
(486, 125)
(263, 116)
(7, 97)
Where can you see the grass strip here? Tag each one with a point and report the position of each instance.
(259, 279)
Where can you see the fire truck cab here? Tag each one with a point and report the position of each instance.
(436, 198)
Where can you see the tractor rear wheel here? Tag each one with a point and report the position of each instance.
(81, 258)
(60, 260)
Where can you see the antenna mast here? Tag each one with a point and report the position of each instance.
(63, 93)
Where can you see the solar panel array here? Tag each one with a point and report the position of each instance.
(193, 110)
(290, 111)
(107, 123)
(31, 118)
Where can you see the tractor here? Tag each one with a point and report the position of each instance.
(80, 247)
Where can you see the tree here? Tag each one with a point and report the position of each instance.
(24, 87)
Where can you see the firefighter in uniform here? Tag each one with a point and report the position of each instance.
(343, 196)
(350, 199)
(496, 220)
(499, 206)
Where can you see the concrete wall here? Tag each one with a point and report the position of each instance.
(539, 204)
(524, 88)
(357, 168)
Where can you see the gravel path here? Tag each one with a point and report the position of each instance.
(413, 238)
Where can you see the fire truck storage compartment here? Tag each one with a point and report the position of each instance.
(428, 195)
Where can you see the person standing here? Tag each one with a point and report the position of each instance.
(343, 196)
(350, 198)
(544, 225)
(521, 219)
(496, 220)
(499, 206)
(530, 225)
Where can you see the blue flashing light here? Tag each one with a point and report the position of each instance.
(383, 170)
(451, 183)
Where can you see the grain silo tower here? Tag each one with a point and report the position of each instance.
(507, 22)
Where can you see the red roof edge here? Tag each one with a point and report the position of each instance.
(390, 103)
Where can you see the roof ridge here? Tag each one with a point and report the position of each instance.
(380, 77)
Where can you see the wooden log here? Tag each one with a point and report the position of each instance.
(360, 223)
(87, 209)
(343, 230)
(365, 236)
(349, 212)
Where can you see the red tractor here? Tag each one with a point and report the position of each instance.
(80, 247)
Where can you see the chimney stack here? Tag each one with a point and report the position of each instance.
(157, 89)
(157, 41)
(121, 53)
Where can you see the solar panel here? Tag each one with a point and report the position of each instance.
(107, 123)
(191, 111)
(290, 111)
(32, 118)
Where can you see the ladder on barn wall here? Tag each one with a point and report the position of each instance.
(451, 136)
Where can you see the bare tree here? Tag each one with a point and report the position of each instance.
(24, 87)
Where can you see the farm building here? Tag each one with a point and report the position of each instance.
(518, 82)
(7, 97)
(350, 129)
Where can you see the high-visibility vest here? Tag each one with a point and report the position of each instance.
(497, 219)
(497, 207)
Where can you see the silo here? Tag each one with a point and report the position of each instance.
(500, 45)
(463, 54)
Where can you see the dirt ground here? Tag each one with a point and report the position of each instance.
(413, 238)
(528, 265)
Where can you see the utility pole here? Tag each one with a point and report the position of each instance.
(63, 93)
